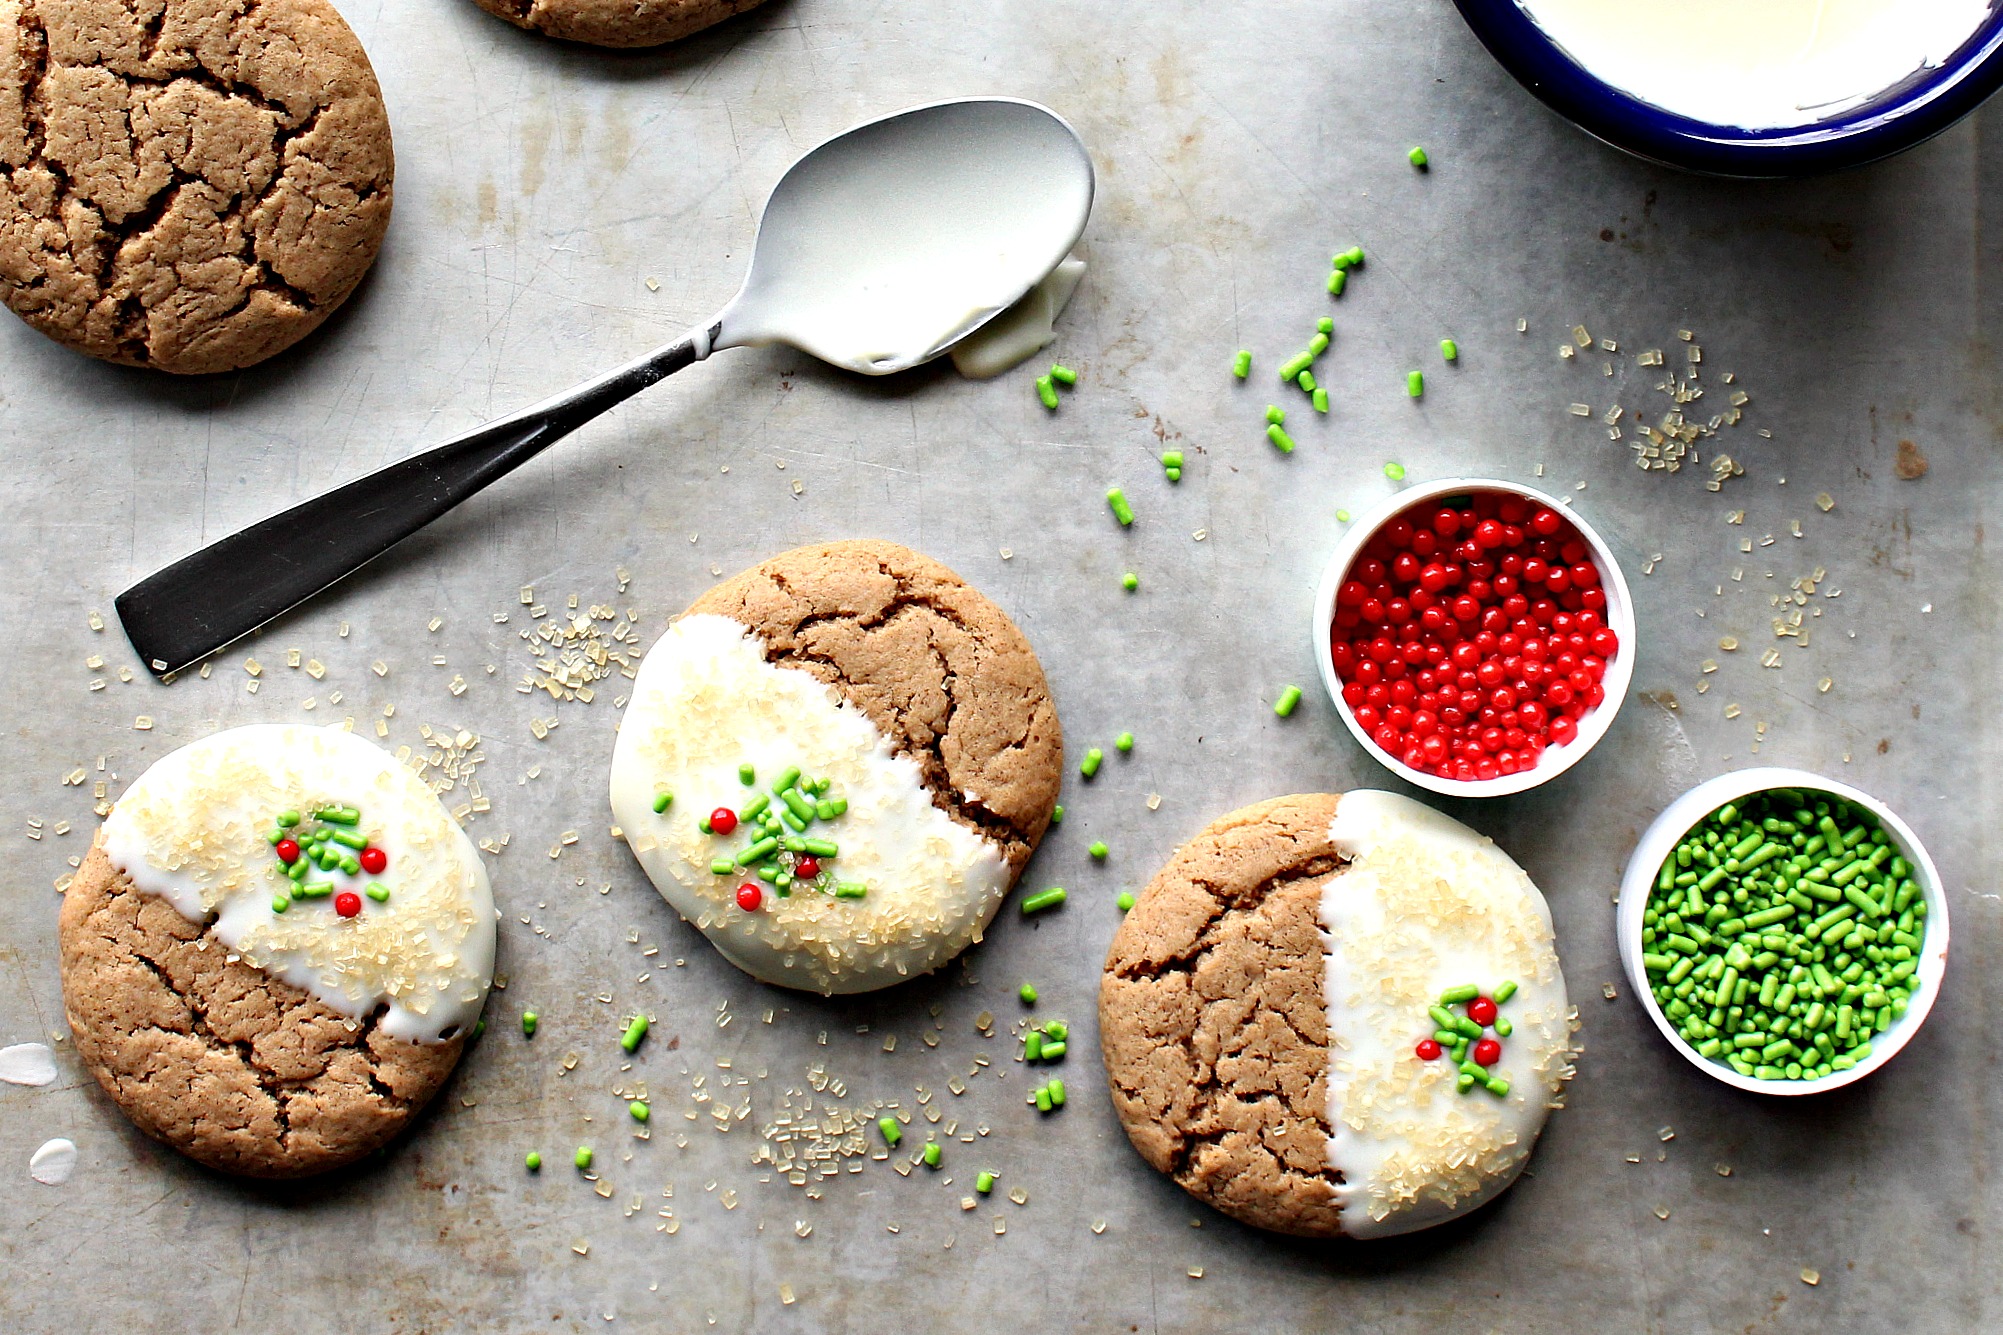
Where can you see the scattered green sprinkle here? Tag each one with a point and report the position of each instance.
(1028, 994)
(529, 1022)
(1349, 259)
(1046, 391)
(1043, 899)
(635, 1031)
(1173, 474)
(640, 1112)
(280, 903)
(582, 1158)
(1417, 157)
(1057, 814)
(1275, 414)
(984, 1182)
(1289, 697)
(288, 819)
(1241, 365)
(891, 1133)
(1099, 850)
(1089, 766)
(747, 774)
(1306, 381)
(1056, 1088)
(1450, 350)
(1124, 742)
(1395, 471)
(1125, 901)
(1121, 510)
(1342, 516)
(1318, 344)
(1062, 374)
(1320, 399)
(1130, 581)
(1281, 440)
(377, 891)
(933, 1154)
(1415, 383)
(533, 1161)
(1171, 459)
(1324, 325)
(1337, 280)
(662, 800)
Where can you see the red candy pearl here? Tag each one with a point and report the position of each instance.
(1469, 640)
(373, 860)
(347, 903)
(288, 851)
(1482, 1011)
(807, 867)
(749, 897)
(1429, 1049)
(723, 820)
(1487, 1052)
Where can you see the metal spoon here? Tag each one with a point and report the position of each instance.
(877, 251)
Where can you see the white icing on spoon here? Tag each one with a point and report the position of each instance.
(53, 1163)
(1021, 331)
(27, 1064)
(192, 829)
(1424, 905)
(705, 701)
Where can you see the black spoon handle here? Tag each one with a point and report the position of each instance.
(189, 610)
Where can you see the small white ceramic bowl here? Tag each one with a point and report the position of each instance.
(1619, 615)
(1660, 841)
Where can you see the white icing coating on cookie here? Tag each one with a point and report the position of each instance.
(1426, 904)
(192, 829)
(706, 700)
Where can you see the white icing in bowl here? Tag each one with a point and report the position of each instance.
(1762, 65)
(192, 829)
(1426, 904)
(705, 701)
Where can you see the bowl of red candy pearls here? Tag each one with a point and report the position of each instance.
(1476, 636)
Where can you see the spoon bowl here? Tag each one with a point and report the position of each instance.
(890, 243)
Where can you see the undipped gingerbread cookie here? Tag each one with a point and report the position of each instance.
(836, 764)
(191, 185)
(276, 949)
(1336, 1017)
(617, 22)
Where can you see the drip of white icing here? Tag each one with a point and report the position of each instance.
(27, 1064)
(705, 701)
(192, 829)
(1021, 331)
(1426, 904)
(53, 1163)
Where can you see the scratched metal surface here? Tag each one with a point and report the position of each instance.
(541, 187)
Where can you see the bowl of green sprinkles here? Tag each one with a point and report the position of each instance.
(1787, 933)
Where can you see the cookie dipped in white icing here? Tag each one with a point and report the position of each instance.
(909, 887)
(1424, 906)
(198, 828)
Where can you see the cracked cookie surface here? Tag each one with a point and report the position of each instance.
(942, 672)
(1213, 1020)
(623, 23)
(221, 1061)
(190, 185)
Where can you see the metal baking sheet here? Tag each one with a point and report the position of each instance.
(559, 209)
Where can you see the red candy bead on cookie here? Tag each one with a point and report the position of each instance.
(373, 860)
(807, 867)
(347, 903)
(749, 897)
(1429, 1049)
(723, 820)
(1487, 1052)
(288, 851)
(1482, 1011)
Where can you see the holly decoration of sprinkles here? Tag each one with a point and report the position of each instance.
(325, 840)
(779, 851)
(1472, 1039)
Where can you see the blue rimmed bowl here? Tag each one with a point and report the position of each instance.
(1910, 112)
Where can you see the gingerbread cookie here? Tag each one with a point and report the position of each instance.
(836, 764)
(1337, 1017)
(188, 186)
(617, 22)
(276, 949)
